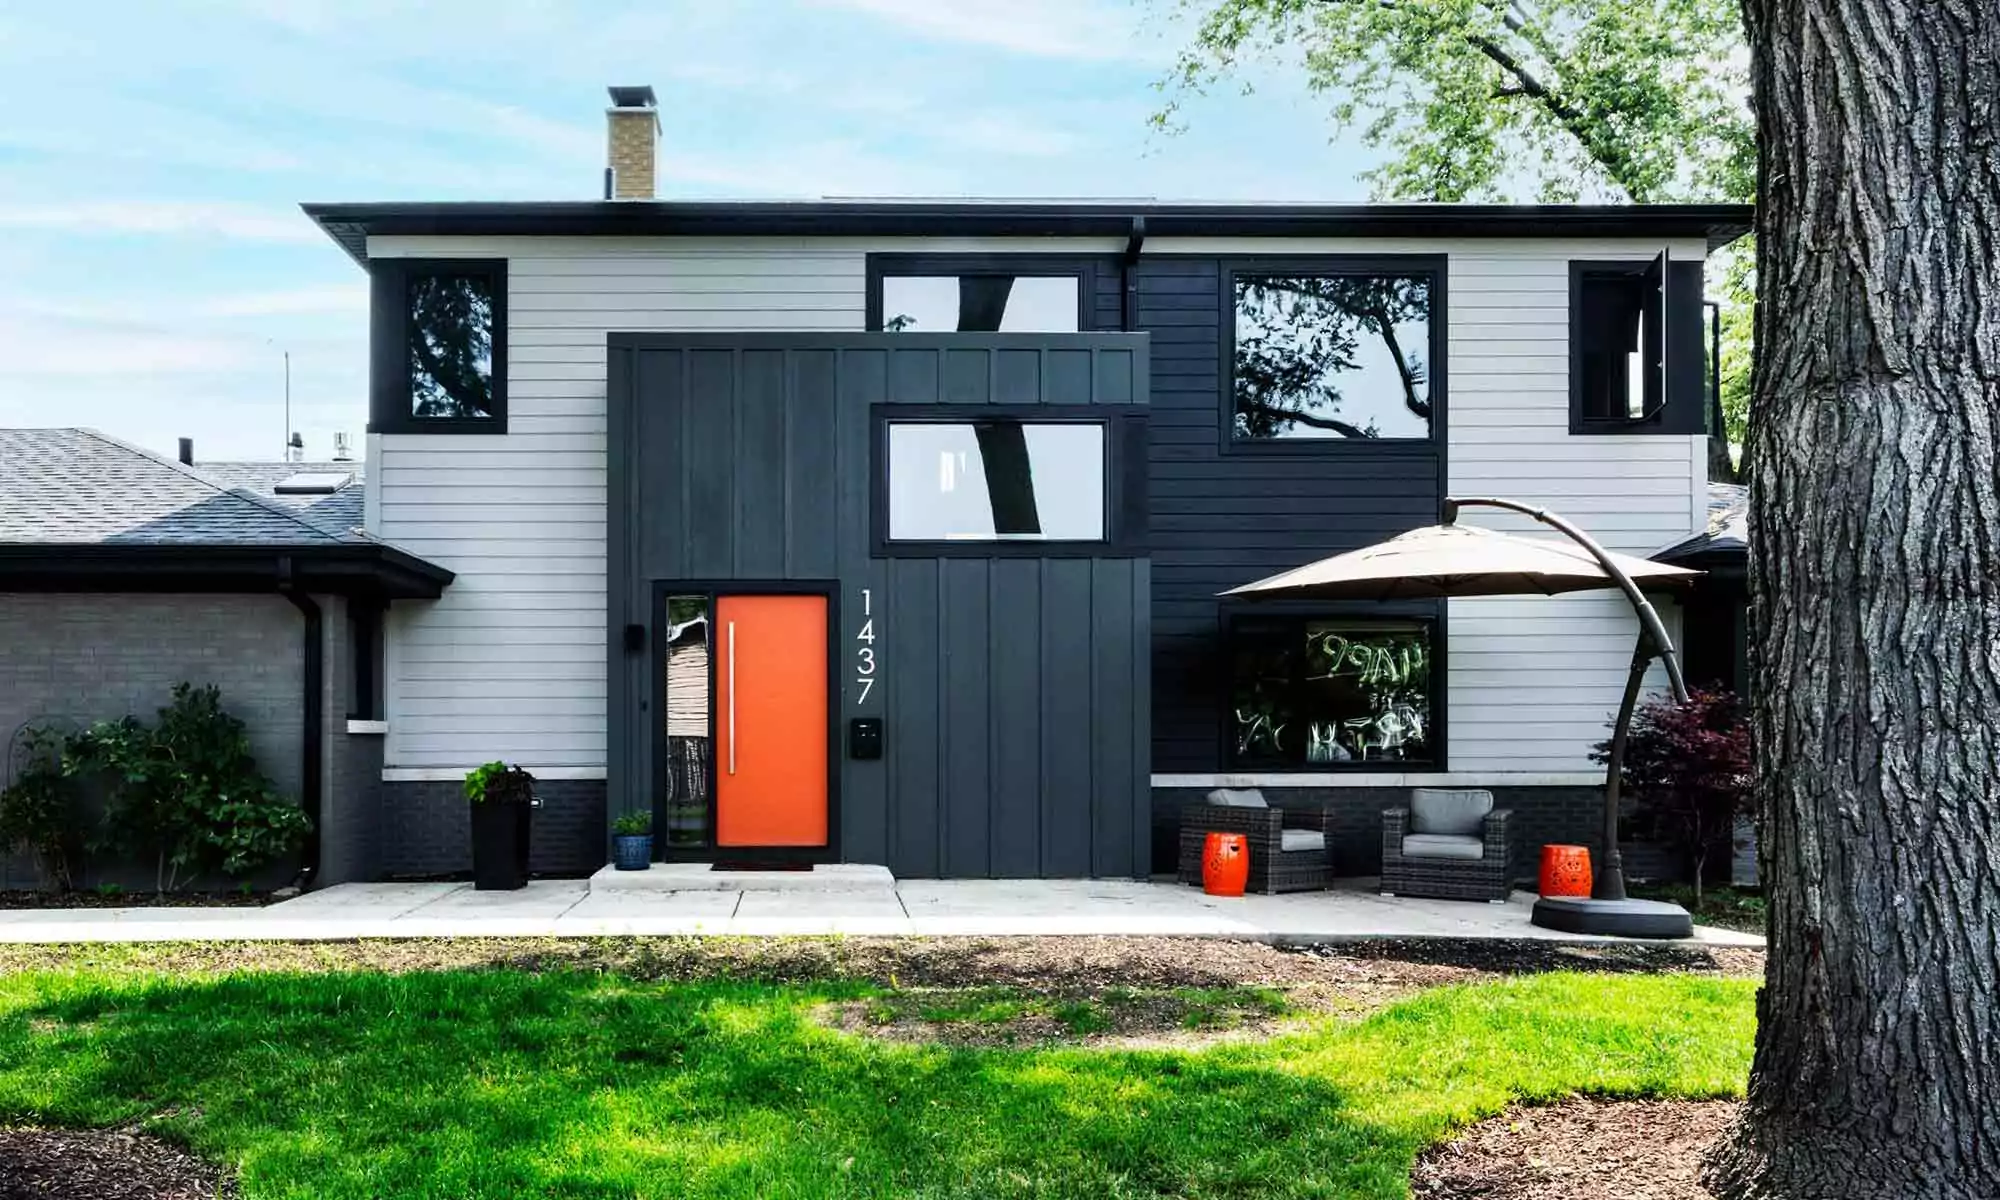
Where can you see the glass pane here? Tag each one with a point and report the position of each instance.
(979, 303)
(451, 345)
(1323, 693)
(1332, 356)
(687, 674)
(996, 481)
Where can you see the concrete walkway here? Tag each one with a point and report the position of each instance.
(767, 907)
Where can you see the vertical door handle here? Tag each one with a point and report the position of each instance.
(732, 697)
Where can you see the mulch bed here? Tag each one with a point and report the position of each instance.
(1579, 1149)
(93, 899)
(42, 1164)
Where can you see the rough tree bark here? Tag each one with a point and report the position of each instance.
(1875, 615)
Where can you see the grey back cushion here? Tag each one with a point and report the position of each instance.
(1237, 798)
(1455, 812)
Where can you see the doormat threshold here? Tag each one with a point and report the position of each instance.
(758, 864)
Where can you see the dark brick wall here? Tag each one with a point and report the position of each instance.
(426, 830)
(1541, 815)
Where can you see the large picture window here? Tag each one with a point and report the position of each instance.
(439, 353)
(996, 480)
(1333, 356)
(1321, 693)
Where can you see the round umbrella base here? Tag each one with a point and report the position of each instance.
(1614, 918)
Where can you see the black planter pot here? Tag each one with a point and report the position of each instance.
(500, 845)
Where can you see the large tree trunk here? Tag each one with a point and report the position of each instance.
(1875, 613)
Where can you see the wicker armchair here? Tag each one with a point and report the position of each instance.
(1272, 867)
(1439, 858)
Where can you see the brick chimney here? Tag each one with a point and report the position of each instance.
(632, 145)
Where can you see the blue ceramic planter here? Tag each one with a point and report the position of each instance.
(632, 851)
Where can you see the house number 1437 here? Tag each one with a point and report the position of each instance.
(864, 652)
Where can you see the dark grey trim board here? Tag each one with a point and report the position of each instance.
(1436, 267)
(388, 329)
(366, 569)
(312, 744)
(351, 225)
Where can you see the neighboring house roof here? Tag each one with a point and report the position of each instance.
(1727, 537)
(81, 509)
(338, 511)
(352, 224)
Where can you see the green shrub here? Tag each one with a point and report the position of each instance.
(633, 824)
(498, 783)
(186, 792)
(38, 811)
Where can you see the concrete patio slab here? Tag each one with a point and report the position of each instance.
(944, 908)
(698, 877)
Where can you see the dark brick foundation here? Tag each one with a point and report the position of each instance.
(426, 828)
(1541, 815)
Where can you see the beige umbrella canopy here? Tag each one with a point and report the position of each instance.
(1458, 560)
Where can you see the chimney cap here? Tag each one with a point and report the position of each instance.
(633, 97)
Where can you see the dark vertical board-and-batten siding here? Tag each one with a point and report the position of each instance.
(1015, 689)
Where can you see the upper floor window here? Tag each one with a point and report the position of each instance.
(1333, 355)
(994, 293)
(1637, 358)
(996, 480)
(440, 342)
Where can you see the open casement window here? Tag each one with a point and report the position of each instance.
(993, 293)
(438, 346)
(1636, 347)
(1329, 693)
(1334, 353)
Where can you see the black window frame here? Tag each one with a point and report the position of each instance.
(1436, 268)
(1433, 614)
(1684, 406)
(1125, 516)
(1027, 265)
(388, 345)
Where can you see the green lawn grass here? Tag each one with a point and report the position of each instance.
(509, 1083)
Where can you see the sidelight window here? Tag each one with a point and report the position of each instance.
(1319, 694)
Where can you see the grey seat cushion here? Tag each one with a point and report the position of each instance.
(1456, 812)
(1301, 839)
(1443, 845)
(1237, 798)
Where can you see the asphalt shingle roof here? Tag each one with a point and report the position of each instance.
(1728, 529)
(79, 487)
(338, 513)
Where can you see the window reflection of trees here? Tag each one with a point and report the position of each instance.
(1333, 695)
(451, 346)
(1299, 357)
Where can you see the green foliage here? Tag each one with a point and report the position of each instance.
(498, 783)
(633, 824)
(186, 792)
(507, 1083)
(38, 811)
(1561, 100)
(1688, 767)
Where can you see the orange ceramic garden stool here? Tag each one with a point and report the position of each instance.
(1566, 871)
(1225, 864)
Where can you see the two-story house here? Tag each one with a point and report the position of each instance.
(893, 532)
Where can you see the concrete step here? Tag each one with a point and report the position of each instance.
(700, 877)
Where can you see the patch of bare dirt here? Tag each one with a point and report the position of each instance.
(124, 899)
(41, 1164)
(1367, 973)
(1580, 1149)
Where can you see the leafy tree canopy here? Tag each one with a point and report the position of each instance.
(1559, 100)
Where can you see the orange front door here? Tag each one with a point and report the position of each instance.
(771, 721)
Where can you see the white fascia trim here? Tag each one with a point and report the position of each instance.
(454, 774)
(1386, 779)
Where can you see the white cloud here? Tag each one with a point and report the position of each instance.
(163, 218)
(46, 349)
(1076, 29)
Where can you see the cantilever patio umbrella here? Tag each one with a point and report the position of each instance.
(1463, 560)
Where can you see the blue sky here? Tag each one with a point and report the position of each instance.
(154, 267)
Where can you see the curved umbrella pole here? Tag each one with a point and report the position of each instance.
(1653, 643)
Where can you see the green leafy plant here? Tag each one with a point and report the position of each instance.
(187, 792)
(633, 824)
(38, 811)
(499, 783)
